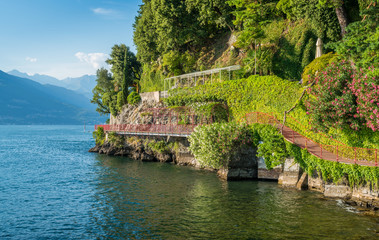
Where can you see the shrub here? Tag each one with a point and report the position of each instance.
(345, 96)
(116, 140)
(134, 98)
(366, 88)
(214, 145)
(333, 103)
(158, 146)
(317, 65)
(99, 136)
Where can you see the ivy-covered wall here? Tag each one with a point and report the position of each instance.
(270, 94)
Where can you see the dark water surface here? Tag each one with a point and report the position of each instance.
(52, 188)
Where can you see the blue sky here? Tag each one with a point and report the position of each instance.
(63, 38)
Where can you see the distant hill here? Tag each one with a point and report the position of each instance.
(23, 101)
(82, 85)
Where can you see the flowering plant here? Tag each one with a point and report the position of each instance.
(344, 96)
(365, 86)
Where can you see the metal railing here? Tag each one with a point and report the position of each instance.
(150, 129)
(337, 152)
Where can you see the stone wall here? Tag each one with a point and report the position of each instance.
(266, 174)
(363, 196)
(243, 165)
(150, 96)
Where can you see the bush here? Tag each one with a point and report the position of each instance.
(333, 103)
(99, 136)
(158, 146)
(151, 78)
(317, 65)
(214, 145)
(134, 98)
(116, 140)
(366, 88)
(345, 97)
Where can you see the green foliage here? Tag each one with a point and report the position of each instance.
(120, 100)
(116, 140)
(336, 172)
(177, 63)
(283, 47)
(151, 78)
(218, 111)
(134, 98)
(214, 145)
(257, 93)
(321, 18)
(99, 136)
(110, 100)
(361, 42)
(272, 146)
(211, 13)
(125, 68)
(111, 91)
(317, 65)
(171, 25)
(274, 95)
(274, 149)
(158, 146)
(294, 51)
(251, 18)
(103, 91)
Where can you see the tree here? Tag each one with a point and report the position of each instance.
(102, 91)
(361, 41)
(145, 34)
(215, 14)
(251, 17)
(340, 12)
(112, 90)
(126, 71)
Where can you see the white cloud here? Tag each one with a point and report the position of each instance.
(32, 60)
(102, 11)
(94, 59)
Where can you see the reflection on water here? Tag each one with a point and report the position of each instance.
(51, 187)
(160, 201)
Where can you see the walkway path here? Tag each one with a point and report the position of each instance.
(336, 153)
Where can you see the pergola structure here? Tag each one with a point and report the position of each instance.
(199, 78)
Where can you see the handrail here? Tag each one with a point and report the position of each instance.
(339, 152)
(150, 129)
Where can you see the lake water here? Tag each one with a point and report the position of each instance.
(52, 188)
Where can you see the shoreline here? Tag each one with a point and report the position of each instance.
(364, 199)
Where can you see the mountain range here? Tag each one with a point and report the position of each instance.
(24, 101)
(82, 85)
